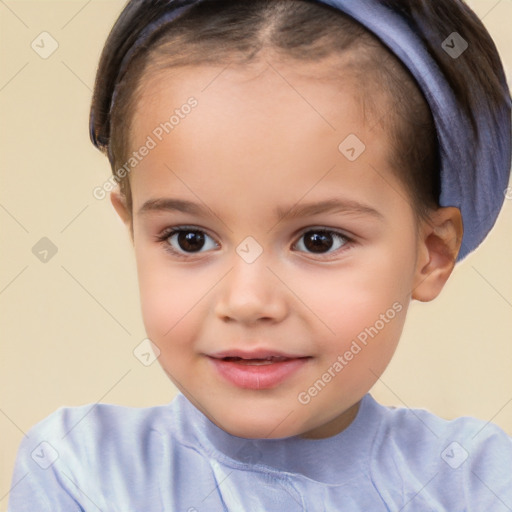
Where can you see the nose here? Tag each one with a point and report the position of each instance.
(250, 293)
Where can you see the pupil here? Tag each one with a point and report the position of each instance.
(318, 241)
(191, 240)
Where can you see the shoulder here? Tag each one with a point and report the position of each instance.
(89, 430)
(413, 430)
(97, 445)
(460, 462)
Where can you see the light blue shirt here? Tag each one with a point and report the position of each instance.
(108, 458)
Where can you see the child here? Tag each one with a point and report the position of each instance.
(331, 161)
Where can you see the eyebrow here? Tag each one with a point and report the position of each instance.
(333, 205)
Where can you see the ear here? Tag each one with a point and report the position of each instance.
(439, 243)
(118, 200)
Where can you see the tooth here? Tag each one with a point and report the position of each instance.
(256, 361)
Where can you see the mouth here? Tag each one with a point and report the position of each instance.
(261, 354)
(257, 361)
(258, 369)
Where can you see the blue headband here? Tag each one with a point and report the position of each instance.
(474, 171)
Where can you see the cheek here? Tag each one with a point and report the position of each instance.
(170, 297)
(347, 301)
(361, 311)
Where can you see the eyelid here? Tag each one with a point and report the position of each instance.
(166, 232)
(183, 227)
(169, 231)
(329, 229)
(349, 242)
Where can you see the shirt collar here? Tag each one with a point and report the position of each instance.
(332, 460)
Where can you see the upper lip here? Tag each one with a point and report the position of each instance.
(261, 353)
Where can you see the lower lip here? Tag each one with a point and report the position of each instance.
(262, 376)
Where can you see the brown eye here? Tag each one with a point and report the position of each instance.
(185, 241)
(190, 241)
(320, 241)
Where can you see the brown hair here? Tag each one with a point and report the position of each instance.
(219, 32)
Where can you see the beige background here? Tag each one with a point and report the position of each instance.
(70, 325)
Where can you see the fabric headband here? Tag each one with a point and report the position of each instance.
(474, 171)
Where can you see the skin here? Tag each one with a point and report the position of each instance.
(256, 142)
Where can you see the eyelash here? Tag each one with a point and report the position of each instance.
(163, 238)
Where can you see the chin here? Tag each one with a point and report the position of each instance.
(260, 427)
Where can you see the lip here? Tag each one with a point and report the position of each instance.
(246, 374)
(260, 353)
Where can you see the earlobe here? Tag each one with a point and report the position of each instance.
(439, 245)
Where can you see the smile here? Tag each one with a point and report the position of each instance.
(257, 373)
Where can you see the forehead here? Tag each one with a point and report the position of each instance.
(308, 88)
(272, 126)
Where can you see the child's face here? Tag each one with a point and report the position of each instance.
(258, 140)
